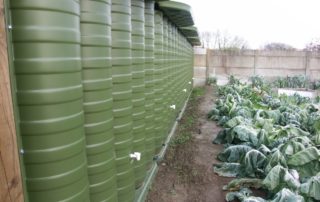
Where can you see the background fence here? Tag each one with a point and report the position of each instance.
(246, 63)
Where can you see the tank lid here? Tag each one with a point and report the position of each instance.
(179, 13)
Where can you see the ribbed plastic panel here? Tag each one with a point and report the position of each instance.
(149, 80)
(167, 98)
(122, 97)
(47, 64)
(97, 85)
(160, 107)
(138, 89)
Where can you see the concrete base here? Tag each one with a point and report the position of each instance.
(199, 82)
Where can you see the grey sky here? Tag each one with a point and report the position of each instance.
(295, 22)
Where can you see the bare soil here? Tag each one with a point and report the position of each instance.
(186, 172)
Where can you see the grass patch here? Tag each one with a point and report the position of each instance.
(186, 125)
(197, 92)
(180, 154)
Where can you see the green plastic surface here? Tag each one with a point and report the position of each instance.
(47, 63)
(97, 86)
(190, 31)
(149, 82)
(167, 98)
(179, 13)
(159, 82)
(95, 81)
(171, 72)
(122, 97)
(138, 89)
(194, 41)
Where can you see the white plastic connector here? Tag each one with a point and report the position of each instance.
(173, 106)
(21, 151)
(135, 155)
(190, 82)
(9, 26)
(184, 90)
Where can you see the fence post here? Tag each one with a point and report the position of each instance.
(254, 62)
(306, 64)
(207, 64)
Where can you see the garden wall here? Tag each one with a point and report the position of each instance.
(246, 63)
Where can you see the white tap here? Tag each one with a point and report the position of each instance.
(173, 106)
(135, 155)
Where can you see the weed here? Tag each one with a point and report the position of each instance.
(196, 93)
(183, 134)
(181, 139)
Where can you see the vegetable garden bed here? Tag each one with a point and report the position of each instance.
(271, 143)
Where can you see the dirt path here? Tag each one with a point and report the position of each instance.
(186, 172)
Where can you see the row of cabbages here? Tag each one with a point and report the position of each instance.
(270, 142)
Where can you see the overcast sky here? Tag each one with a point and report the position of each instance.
(295, 22)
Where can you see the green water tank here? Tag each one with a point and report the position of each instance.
(97, 87)
(47, 67)
(175, 72)
(159, 82)
(189, 57)
(178, 72)
(187, 81)
(167, 98)
(149, 81)
(138, 89)
(122, 97)
(190, 63)
(171, 78)
(183, 71)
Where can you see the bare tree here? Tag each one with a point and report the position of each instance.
(278, 46)
(206, 39)
(222, 41)
(314, 45)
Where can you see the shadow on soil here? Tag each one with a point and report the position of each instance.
(186, 174)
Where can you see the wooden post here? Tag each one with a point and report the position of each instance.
(10, 175)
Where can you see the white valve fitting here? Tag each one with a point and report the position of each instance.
(184, 90)
(189, 82)
(135, 155)
(173, 106)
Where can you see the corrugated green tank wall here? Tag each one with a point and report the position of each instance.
(122, 96)
(149, 81)
(138, 89)
(99, 85)
(159, 108)
(47, 67)
(97, 99)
